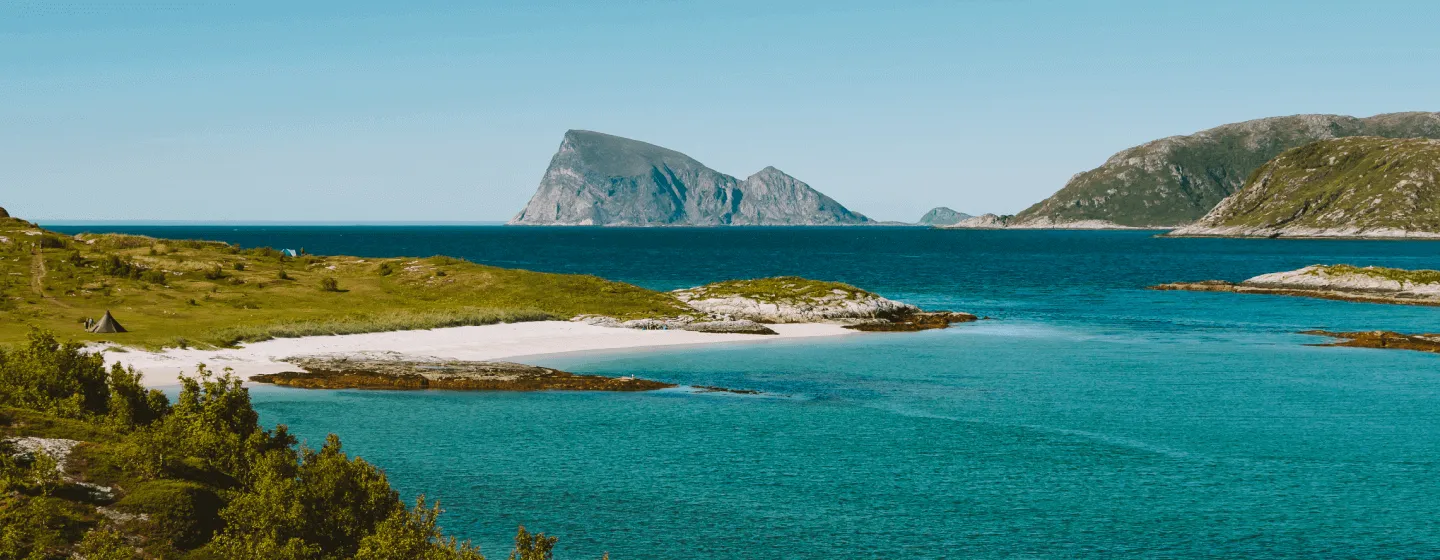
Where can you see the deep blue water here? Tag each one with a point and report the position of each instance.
(1090, 418)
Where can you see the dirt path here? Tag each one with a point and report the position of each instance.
(37, 273)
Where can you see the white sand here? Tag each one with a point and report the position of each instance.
(510, 342)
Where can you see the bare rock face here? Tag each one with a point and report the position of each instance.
(599, 179)
(983, 221)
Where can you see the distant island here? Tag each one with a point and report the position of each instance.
(1359, 187)
(598, 179)
(1369, 284)
(942, 216)
(1174, 181)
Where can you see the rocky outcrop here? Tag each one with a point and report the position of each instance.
(983, 221)
(1366, 187)
(599, 179)
(1388, 340)
(789, 299)
(3, 213)
(1173, 181)
(1337, 282)
(942, 216)
(353, 373)
(682, 323)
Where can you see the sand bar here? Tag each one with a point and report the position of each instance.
(511, 342)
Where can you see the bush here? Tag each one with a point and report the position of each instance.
(329, 284)
(154, 277)
(386, 268)
(48, 376)
(181, 512)
(239, 266)
(214, 273)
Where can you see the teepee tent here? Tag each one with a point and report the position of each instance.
(107, 324)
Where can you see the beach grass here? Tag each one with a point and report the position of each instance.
(207, 293)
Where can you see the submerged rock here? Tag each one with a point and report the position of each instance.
(1382, 339)
(363, 373)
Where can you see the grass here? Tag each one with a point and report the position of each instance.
(1396, 274)
(779, 288)
(206, 293)
(1176, 181)
(1364, 182)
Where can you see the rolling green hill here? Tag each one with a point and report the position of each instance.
(1348, 187)
(1174, 181)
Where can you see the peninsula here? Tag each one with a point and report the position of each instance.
(1362, 187)
(259, 311)
(1338, 282)
(1173, 181)
(598, 179)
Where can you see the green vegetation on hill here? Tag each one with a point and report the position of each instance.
(779, 288)
(1176, 180)
(196, 479)
(174, 292)
(1397, 274)
(1362, 183)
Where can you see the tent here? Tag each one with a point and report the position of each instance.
(107, 324)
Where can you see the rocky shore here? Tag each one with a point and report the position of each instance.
(1382, 339)
(790, 299)
(349, 373)
(1336, 282)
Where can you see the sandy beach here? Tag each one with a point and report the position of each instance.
(510, 342)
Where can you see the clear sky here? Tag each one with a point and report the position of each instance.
(367, 111)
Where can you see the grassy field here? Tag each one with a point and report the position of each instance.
(203, 293)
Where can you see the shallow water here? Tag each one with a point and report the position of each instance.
(1091, 417)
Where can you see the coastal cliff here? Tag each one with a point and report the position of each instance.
(1173, 181)
(598, 179)
(1339, 282)
(1365, 187)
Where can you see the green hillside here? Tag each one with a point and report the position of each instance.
(1174, 181)
(169, 292)
(1358, 185)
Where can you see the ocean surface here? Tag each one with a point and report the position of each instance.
(1089, 418)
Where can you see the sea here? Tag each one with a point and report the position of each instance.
(1088, 417)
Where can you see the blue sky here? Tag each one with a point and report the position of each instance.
(365, 111)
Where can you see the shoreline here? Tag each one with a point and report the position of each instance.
(514, 342)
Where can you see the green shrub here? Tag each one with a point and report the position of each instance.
(182, 512)
(214, 273)
(329, 284)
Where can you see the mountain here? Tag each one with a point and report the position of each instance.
(942, 216)
(1346, 187)
(599, 179)
(1174, 181)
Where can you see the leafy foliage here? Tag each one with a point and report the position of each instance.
(199, 479)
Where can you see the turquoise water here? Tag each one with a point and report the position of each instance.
(1090, 418)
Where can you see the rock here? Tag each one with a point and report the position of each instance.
(58, 449)
(1339, 282)
(599, 179)
(362, 372)
(1382, 339)
(942, 216)
(730, 327)
(916, 322)
(983, 221)
(1173, 181)
(1365, 187)
(3, 213)
(790, 299)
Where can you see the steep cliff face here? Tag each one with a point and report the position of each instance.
(1174, 181)
(599, 179)
(1348, 187)
(942, 216)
